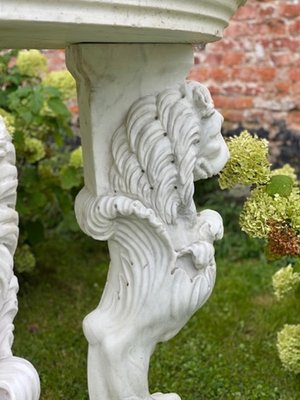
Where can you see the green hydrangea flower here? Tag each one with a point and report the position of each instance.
(9, 121)
(63, 81)
(35, 149)
(248, 163)
(24, 259)
(76, 158)
(285, 282)
(31, 63)
(288, 345)
(260, 208)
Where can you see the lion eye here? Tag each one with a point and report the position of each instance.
(208, 114)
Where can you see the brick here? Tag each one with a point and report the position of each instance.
(290, 10)
(281, 59)
(266, 73)
(232, 88)
(295, 88)
(283, 86)
(280, 43)
(233, 58)
(199, 74)
(254, 115)
(233, 115)
(294, 74)
(235, 29)
(276, 27)
(293, 118)
(246, 12)
(268, 11)
(294, 28)
(56, 59)
(73, 108)
(236, 103)
(213, 58)
(273, 26)
(220, 74)
(257, 28)
(254, 89)
(226, 44)
(214, 89)
(243, 73)
(242, 102)
(221, 101)
(282, 103)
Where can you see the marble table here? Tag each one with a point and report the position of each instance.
(147, 135)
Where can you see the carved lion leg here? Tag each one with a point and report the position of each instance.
(18, 378)
(147, 135)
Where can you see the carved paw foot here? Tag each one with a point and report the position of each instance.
(166, 396)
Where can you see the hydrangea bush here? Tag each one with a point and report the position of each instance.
(271, 212)
(288, 345)
(246, 167)
(285, 281)
(33, 103)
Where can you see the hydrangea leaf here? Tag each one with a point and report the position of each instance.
(280, 184)
(70, 177)
(58, 107)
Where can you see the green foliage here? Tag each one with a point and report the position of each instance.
(235, 245)
(39, 121)
(24, 259)
(227, 350)
(62, 80)
(271, 213)
(260, 208)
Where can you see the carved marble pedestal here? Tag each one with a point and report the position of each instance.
(143, 149)
(147, 135)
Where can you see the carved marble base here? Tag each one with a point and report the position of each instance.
(147, 136)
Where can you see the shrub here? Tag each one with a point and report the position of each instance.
(288, 344)
(271, 213)
(49, 159)
(285, 281)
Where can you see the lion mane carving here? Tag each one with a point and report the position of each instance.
(162, 265)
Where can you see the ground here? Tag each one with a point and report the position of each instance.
(227, 351)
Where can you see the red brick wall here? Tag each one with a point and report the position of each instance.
(254, 72)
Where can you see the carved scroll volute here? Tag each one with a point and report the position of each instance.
(162, 256)
(18, 378)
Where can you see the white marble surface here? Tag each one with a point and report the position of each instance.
(57, 23)
(162, 267)
(110, 77)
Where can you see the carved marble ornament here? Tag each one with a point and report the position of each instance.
(18, 378)
(162, 267)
